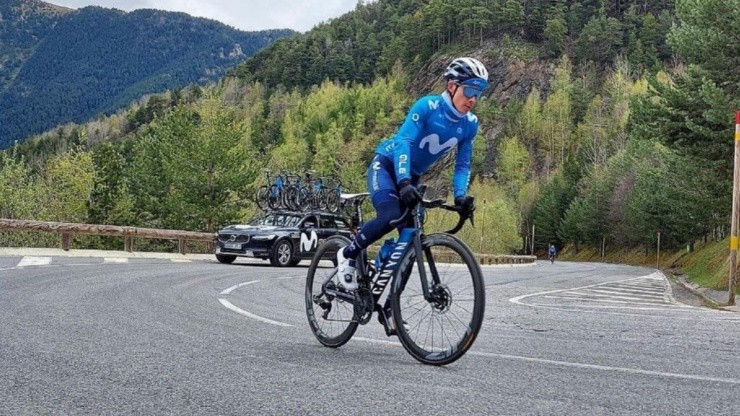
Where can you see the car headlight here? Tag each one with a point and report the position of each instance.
(263, 237)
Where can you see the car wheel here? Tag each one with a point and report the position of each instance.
(294, 262)
(282, 254)
(225, 259)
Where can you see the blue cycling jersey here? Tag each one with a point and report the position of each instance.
(431, 129)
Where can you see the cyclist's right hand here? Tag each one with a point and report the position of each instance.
(408, 193)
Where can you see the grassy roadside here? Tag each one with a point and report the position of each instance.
(708, 265)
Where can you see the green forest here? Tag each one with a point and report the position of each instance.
(606, 123)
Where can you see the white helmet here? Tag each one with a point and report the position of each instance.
(464, 69)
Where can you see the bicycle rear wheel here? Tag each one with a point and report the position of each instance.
(332, 200)
(261, 197)
(440, 331)
(273, 197)
(331, 319)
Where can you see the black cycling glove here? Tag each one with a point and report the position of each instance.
(408, 193)
(466, 205)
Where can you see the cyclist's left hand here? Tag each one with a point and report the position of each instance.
(466, 204)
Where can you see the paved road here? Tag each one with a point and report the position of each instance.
(153, 336)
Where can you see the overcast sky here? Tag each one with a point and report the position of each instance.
(300, 15)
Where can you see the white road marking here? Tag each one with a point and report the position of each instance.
(230, 306)
(609, 368)
(670, 305)
(240, 311)
(115, 260)
(579, 365)
(587, 293)
(181, 261)
(641, 294)
(33, 261)
(626, 302)
(233, 288)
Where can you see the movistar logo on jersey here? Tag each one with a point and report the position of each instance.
(435, 147)
(433, 104)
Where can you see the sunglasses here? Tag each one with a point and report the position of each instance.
(471, 92)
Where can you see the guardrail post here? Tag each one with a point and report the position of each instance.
(66, 241)
(182, 245)
(128, 243)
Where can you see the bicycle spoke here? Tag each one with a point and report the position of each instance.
(442, 329)
(338, 326)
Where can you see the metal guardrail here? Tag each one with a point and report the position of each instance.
(67, 231)
(504, 259)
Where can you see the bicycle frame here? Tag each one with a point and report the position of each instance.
(409, 238)
(407, 308)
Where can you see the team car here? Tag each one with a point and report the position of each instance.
(283, 237)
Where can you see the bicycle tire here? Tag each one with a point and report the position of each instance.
(274, 195)
(321, 197)
(332, 201)
(262, 197)
(339, 326)
(304, 199)
(290, 199)
(410, 309)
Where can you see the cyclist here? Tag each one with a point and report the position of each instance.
(552, 252)
(433, 126)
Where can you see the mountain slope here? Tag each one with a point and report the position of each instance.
(68, 66)
(23, 25)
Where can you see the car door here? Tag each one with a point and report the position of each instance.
(327, 227)
(309, 237)
(343, 227)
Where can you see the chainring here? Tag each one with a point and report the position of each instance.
(363, 306)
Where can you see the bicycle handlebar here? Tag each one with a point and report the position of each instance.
(464, 211)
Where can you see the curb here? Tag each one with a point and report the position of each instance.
(57, 252)
(705, 294)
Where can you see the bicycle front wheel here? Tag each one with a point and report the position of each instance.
(440, 330)
(331, 319)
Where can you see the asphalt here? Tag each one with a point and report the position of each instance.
(709, 297)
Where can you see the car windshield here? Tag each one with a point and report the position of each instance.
(278, 220)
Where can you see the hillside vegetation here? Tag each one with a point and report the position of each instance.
(59, 65)
(606, 123)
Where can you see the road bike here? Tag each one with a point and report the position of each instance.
(271, 195)
(427, 289)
